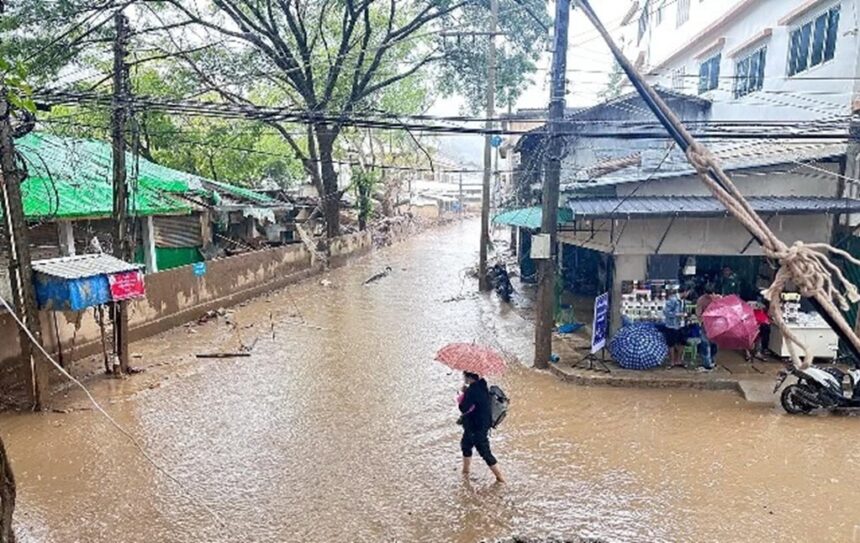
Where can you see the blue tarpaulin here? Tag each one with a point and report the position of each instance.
(57, 294)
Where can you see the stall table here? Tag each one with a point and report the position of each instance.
(819, 338)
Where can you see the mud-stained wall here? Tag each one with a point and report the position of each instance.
(175, 297)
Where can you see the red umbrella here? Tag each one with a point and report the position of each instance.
(472, 358)
(730, 323)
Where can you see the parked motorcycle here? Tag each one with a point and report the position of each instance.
(819, 388)
(500, 280)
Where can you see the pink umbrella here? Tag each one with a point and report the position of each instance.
(730, 323)
(472, 358)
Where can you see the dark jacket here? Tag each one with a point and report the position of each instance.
(477, 416)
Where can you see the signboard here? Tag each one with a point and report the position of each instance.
(496, 141)
(600, 325)
(199, 268)
(541, 247)
(126, 286)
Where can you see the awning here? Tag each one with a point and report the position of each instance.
(703, 206)
(74, 283)
(530, 217)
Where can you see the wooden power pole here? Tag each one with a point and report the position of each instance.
(119, 118)
(483, 282)
(549, 223)
(21, 270)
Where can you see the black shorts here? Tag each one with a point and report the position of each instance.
(674, 337)
(479, 441)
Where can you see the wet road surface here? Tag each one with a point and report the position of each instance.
(341, 428)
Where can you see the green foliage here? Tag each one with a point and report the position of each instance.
(614, 85)
(18, 91)
(364, 182)
(464, 70)
(240, 152)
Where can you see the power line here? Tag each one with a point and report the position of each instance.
(380, 121)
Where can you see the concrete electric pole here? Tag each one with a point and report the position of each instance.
(549, 224)
(21, 270)
(483, 282)
(119, 118)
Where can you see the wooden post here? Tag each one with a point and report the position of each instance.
(119, 117)
(66, 233)
(483, 282)
(549, 223)
(21, 271)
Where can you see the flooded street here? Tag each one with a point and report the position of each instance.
(341, 427)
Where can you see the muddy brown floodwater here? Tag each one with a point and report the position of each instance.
(341, 428)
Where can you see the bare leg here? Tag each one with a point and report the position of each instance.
(498, 473)
(467, 464)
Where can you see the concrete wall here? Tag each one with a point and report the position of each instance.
(787, 180)
(177, 296)
(692, 236)
(823, 90)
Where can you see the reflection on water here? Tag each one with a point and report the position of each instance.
(341, 427)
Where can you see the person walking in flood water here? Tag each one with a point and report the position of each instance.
(477, 420)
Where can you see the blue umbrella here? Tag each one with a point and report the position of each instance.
(639, 346)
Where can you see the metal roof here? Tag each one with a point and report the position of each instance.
(82, 266)
(703, 206)
(733, 155)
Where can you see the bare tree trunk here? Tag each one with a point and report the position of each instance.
(7, 497)
(331, 196)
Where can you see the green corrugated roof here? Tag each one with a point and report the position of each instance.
(72, 178)
(530, 217)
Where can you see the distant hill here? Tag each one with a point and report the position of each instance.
(466, 149)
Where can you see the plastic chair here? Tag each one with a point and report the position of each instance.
(690, 354)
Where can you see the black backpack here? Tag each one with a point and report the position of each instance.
(499, 403)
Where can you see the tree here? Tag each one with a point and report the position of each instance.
(240, 152)
(524, 27)
(328, 60)
(615, 84)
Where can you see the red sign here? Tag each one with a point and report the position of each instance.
(126, 286)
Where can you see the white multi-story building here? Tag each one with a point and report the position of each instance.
(753, 59)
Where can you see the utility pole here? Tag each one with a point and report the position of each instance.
(549, 222)
(119, 118)
(20, 268)
(483, 283)
(461, 196)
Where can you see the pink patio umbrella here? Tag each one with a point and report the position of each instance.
(730, 323)
(472, 358)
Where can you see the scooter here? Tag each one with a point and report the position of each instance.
(819, 388)
(501, 281)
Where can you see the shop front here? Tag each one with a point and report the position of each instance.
(659, 246)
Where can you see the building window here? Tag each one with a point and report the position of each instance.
(658, 15)
(678, 76)
(709, 74)
(813, 43)
(683, 12)
(643, 23)
(749, 73)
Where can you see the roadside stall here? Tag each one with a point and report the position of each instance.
(809, 327)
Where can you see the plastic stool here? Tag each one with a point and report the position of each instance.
(690, 355)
